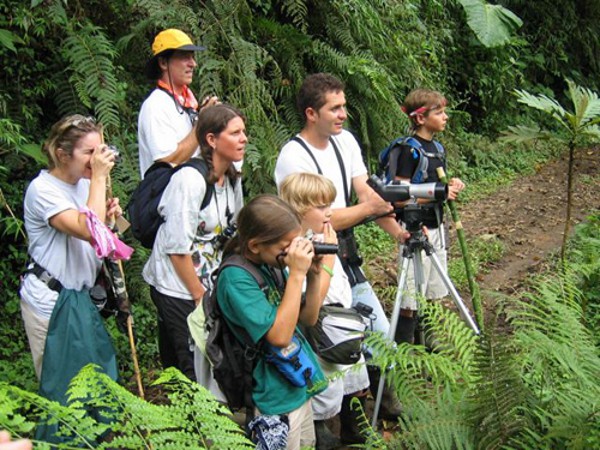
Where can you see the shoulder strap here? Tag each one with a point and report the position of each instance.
(201, 166)
(338, 155)
(300, 141)
(236, 260)
(441, 153)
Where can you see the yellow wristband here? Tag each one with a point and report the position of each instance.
(328, 269)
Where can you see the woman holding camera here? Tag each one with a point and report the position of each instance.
(189, 243)
(64, 329)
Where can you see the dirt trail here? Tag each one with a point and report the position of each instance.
(528, 217)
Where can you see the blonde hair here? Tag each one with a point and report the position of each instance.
(65, 134)
(303, 191)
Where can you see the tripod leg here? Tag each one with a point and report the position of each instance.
(419, 290)
(454, 293)
(391, 334)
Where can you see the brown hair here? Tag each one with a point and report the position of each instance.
(266, 219)
(214, 119)
(303, 191)
(314, 89)
(65, 134)
(422, 98)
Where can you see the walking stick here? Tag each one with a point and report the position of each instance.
(120, 290)
(460, 232)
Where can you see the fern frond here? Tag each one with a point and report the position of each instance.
(498, 395)
(90, 56)
(297, 11)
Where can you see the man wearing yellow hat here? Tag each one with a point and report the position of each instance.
(167, 117)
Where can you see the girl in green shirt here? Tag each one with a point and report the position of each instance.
(269, 236)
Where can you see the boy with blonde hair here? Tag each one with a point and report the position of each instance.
(310, 196)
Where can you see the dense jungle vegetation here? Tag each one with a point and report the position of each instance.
(533, 383)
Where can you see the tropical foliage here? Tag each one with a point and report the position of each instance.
(88, 56)
(576, 127)
(192, 418)
(530, 382)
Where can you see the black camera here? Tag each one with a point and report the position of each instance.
(322, 248)
(364, 310)
(398, 191)
(225, 236)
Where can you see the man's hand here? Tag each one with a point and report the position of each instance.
(402, 236)
(377, 205)
(209, 101)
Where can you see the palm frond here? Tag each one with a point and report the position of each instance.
(523, 133)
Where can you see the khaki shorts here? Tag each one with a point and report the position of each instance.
(36, 328)
(302, 428)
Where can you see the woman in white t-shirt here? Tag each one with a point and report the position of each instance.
(64, 265)
(189, 243)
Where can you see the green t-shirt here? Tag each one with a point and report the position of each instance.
(245, 305)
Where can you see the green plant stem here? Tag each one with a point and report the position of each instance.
(563, 249)
(460, 232)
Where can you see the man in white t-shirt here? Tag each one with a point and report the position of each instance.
(323, 146)
(166, 130)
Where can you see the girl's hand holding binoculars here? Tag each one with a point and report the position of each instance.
(299, 256)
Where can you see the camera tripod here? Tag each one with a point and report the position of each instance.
(411, 251)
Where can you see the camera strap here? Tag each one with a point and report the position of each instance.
(187, 101)
(338, 155)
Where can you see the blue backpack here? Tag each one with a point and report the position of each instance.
(142, 208)
(388, 158)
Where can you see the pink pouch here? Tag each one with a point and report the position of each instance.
(104, 241)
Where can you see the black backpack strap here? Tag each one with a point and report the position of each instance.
(300, 141)
(252, 349)
(338, 155)
(201, 166)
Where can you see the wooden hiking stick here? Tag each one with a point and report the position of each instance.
(460, 232)
(136, 366)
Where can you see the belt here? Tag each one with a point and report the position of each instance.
(45, 277)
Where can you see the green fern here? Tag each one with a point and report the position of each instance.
(193, 418)
(91, 57)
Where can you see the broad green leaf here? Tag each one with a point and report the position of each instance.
(492, 24)
(34, 151)
(522, 133)
(540, 102)
(8, 39)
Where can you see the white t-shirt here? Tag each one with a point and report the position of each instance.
(161, 126)
(339, 287)
(189, 230)
(294, 158)
(70, 260)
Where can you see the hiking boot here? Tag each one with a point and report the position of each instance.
(326, 440)
(390, 407)
(350, 420)
(405, 330)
